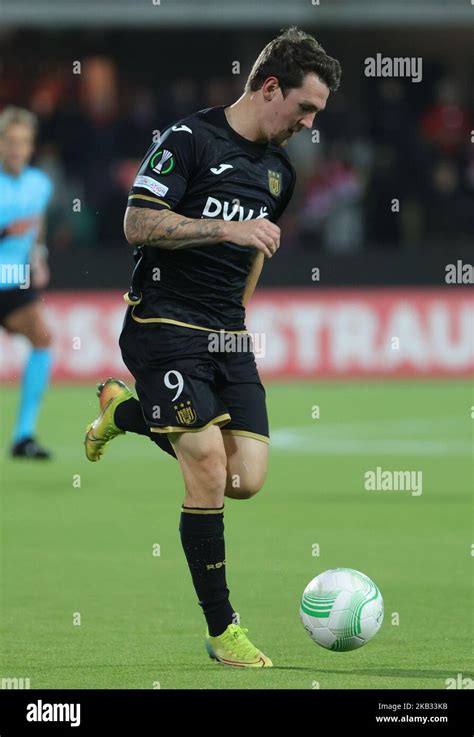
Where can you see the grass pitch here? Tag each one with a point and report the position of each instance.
(78, 544)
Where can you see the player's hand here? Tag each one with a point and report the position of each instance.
(260, 234)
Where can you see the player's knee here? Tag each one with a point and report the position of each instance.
(248, 492)
(41, 339)
(210, 469)
(246, 488)
(214, 472)
(37, 333)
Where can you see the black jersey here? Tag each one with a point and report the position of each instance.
(201, 168)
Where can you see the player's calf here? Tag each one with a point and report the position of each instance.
(247, 460)
(233, 490)
(202, 459)
(29, 321)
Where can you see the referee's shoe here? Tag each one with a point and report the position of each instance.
(30, 448)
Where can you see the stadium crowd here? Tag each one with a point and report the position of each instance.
(96, 125)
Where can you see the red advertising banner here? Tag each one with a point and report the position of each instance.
(309, 334)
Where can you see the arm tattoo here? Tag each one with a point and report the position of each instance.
(167, 229)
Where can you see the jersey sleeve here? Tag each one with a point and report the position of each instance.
(166, 170)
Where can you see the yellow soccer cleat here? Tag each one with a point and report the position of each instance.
(111, 393)
(233, 647)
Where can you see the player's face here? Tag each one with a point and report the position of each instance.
(16, 147)
(297, 110)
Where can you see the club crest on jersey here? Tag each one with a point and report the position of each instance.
(274, 182)
(185, 413)
(162, 162)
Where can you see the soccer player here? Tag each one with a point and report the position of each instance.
(202, 215)
(24, 195)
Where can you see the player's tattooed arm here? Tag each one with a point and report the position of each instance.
(167, 229)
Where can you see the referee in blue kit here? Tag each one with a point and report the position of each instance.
(24, 195)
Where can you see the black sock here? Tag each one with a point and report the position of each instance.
(129, 417)
(202, 537)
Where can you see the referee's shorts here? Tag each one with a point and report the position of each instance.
(13, 299)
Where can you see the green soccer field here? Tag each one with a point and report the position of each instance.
(77, 544)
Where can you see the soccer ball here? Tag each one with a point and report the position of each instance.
(341, 609)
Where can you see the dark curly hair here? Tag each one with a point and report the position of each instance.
(289, 57)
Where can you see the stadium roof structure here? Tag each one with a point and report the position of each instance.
(222, 13)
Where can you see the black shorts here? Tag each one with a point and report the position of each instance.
(184, 384)
(13, 299)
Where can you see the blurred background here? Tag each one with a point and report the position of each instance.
(146, 64)
(104, 76)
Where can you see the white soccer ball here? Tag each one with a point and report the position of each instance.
(341, 609)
